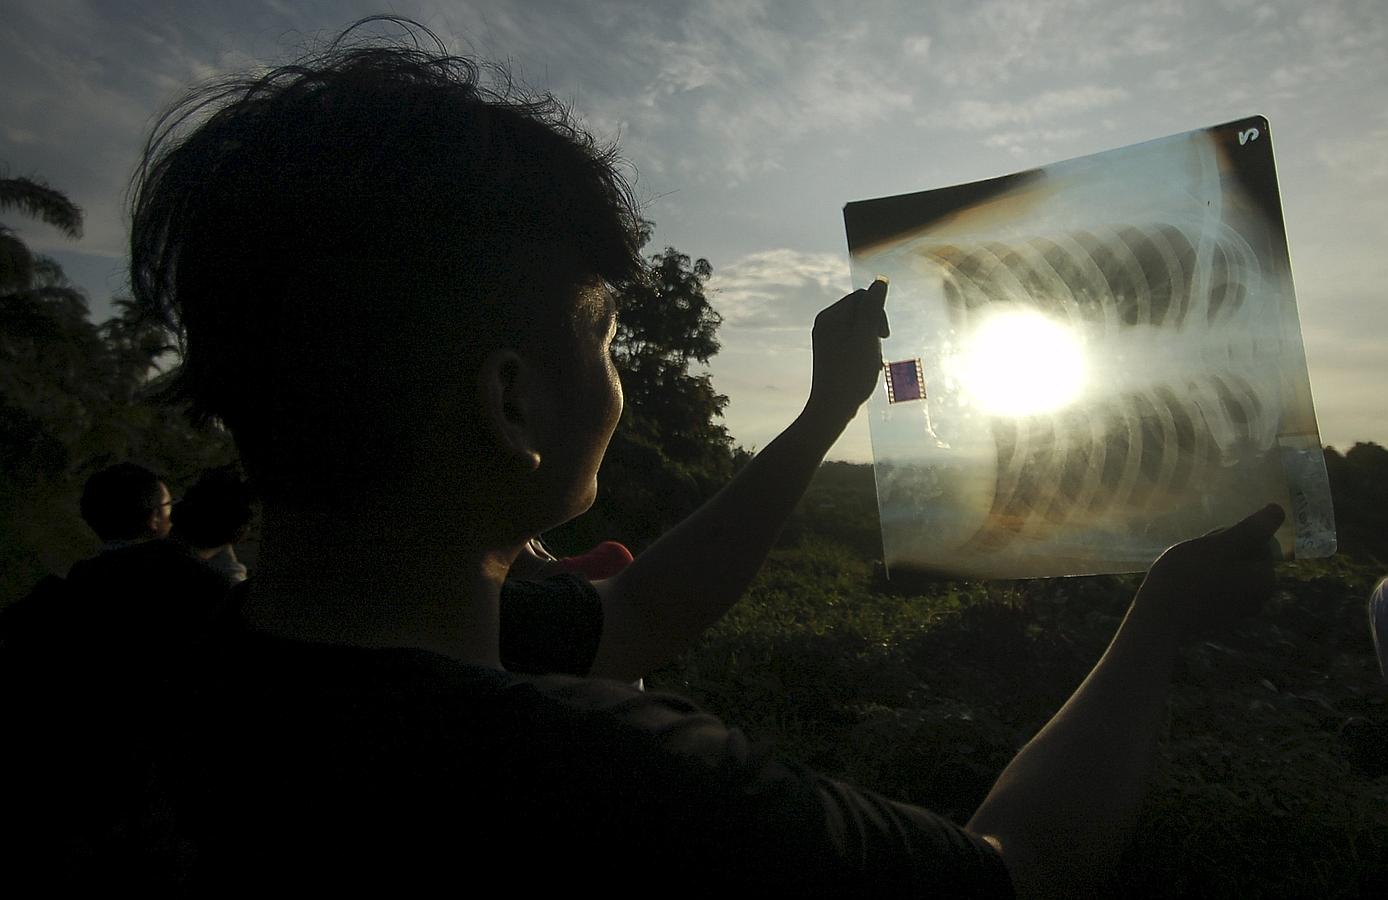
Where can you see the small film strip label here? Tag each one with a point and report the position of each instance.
(905, 381)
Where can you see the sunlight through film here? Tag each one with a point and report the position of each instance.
(1090, 362)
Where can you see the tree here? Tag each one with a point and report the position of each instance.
(1359, 488)
(669, 452)
(665, 322)
(42, 336)
(24, 275)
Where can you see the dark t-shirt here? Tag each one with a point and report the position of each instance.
(314, 764)
(128, 604)
(91, 667)
(271, 763)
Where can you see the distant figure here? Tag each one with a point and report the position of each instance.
(125, 504)
(87, 662)
(140, 593)
(137, 603)
(1378, 624)
(212, 518)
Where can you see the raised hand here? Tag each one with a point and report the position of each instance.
(847, 341)
(1211, 581)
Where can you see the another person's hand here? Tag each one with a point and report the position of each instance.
(847, 343)
(1212, 581)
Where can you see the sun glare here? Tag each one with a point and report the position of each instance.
(1021, 363)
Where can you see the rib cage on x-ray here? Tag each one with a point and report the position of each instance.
(1186, 392)
(1109, 356)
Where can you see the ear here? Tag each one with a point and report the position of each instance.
(511, 402)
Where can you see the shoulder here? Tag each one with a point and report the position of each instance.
(677, 781)
(623, 789)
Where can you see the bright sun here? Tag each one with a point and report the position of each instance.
(1021, 363)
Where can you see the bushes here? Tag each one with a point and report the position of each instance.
(1273, 778)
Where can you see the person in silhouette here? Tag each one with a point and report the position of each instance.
(126, 504)
(395, 286)
(139, 592)
(142, 596)
(212, 519)
(87, 662)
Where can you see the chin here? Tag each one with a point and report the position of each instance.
(581, 500)
(586, 501)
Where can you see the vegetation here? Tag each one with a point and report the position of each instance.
(1273, 775)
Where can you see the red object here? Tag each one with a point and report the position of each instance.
(603, 561)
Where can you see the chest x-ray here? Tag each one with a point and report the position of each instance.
(1090, 362)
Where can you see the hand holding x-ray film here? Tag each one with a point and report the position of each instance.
(1090, 362)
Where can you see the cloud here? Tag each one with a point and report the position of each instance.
(781, 288)
(1021, 143)
(1044, 107)
(1363, 157)
(917, 46)
(82, 84)
(758, 83)
(1001, 41)
(768, 300)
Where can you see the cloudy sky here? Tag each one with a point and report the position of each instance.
(751, 123)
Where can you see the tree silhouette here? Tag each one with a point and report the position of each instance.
(665, 322)
(1359, 486)
(39, 201)
(23, 274)
(43, 343)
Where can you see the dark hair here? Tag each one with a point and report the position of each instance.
(332, 240)
(214, 511)
(118, 501)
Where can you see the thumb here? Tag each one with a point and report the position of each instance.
(878, 291)
(1251, 536)
(874, 306)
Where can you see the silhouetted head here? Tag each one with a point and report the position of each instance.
(345, 244)
(215, 511)
(126, 502)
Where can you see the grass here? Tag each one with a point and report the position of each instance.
(1273, 775)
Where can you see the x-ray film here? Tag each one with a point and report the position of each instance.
(1113, 357)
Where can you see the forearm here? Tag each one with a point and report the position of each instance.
(1064, 807)
(685, 581)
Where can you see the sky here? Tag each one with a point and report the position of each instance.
(750, 124)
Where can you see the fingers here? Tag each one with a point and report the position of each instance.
(864, 309)
(874, 306)
(1250, 537)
